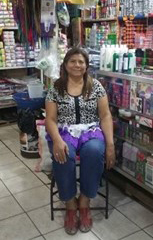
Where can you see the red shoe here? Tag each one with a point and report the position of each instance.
(85, 220)
(71, 222)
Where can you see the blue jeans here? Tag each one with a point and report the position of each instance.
(91, 168)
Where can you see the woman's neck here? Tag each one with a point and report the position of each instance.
(75, 81)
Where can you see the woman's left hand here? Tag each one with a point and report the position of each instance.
(110, 156)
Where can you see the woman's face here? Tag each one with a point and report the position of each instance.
(76, 65)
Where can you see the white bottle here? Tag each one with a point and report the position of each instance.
(102, 57)
(120, 62)
(132, 61)
(108, 58)
(93, 36)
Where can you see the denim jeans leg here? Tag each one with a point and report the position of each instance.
(65, 174)
(91, 166)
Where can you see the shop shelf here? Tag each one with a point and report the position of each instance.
(16, 67)
(134, 112)
(130, 77)
(132, 142)
(128, 176)
(99, 20)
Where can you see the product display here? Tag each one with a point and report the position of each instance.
(100, 9)
(6, 15)
(131, 104)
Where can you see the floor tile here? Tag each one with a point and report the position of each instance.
(9, 207)
(12, 170)
(137, 213)
(3, 191)
(59, 215)
(34, 198)
(44, 223)
(18, 228)
(149, 230)
(116, 197)
(115, 227)
(8, 158)
(23, 182)
(61, 235)
(138, 236)
(15, 127)
(43, 177)
(38, 238)
(31, 163)
(3, 148)
(15, 149)
(99, 201)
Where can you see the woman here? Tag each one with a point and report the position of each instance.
(78, 122)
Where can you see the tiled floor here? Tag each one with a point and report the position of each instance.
(25, 210)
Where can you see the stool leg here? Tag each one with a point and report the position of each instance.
(107, 196)
(51, 197)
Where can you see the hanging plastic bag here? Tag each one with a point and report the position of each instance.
(63, 14)
(72, 1)
(45, 163)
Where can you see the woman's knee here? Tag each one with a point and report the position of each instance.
(93, 146)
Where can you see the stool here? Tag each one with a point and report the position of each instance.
(106, 195)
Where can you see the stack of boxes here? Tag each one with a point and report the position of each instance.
(138, 164)
(2, 55)
(16, 54)
(9, 45)
(6, 15)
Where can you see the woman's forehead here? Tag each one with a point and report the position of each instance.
(77, 56)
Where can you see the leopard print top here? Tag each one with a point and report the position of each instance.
(76, 110)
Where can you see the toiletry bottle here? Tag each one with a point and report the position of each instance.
(130, 130)
(116, 60)
(120, 62)
(102, 57)
(93, 35)
(125, 62)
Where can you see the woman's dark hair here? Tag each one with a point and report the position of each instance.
(61, 83)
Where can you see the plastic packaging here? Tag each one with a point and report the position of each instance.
(35, 90)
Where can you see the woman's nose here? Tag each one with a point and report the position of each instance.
(77, 64)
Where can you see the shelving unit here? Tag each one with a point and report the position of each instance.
(144, 148)
(99, 20)
(128, 176)
(17, 67)
(130, 77)
(138, 145)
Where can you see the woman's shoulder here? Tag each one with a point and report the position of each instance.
(96, 83)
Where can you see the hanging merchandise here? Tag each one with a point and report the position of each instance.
(72, 1)
(51, 59)
(63, 14)
(27, 16)
(88, 4)
(48, 17)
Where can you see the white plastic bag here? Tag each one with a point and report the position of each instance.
(45, 163)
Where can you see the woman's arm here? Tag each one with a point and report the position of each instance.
(60, 148)
(106, 124)
(51, 121)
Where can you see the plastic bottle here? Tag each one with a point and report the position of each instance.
(102, 57)
(132, 61)
(108, 58)
(120, 62)
(125, 62)
(116, 60)
(93, 36)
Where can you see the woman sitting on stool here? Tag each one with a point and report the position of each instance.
(78, 122)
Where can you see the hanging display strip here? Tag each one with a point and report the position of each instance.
(136, 8)
(72, 1)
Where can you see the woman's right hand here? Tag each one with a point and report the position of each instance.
(60, 151)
